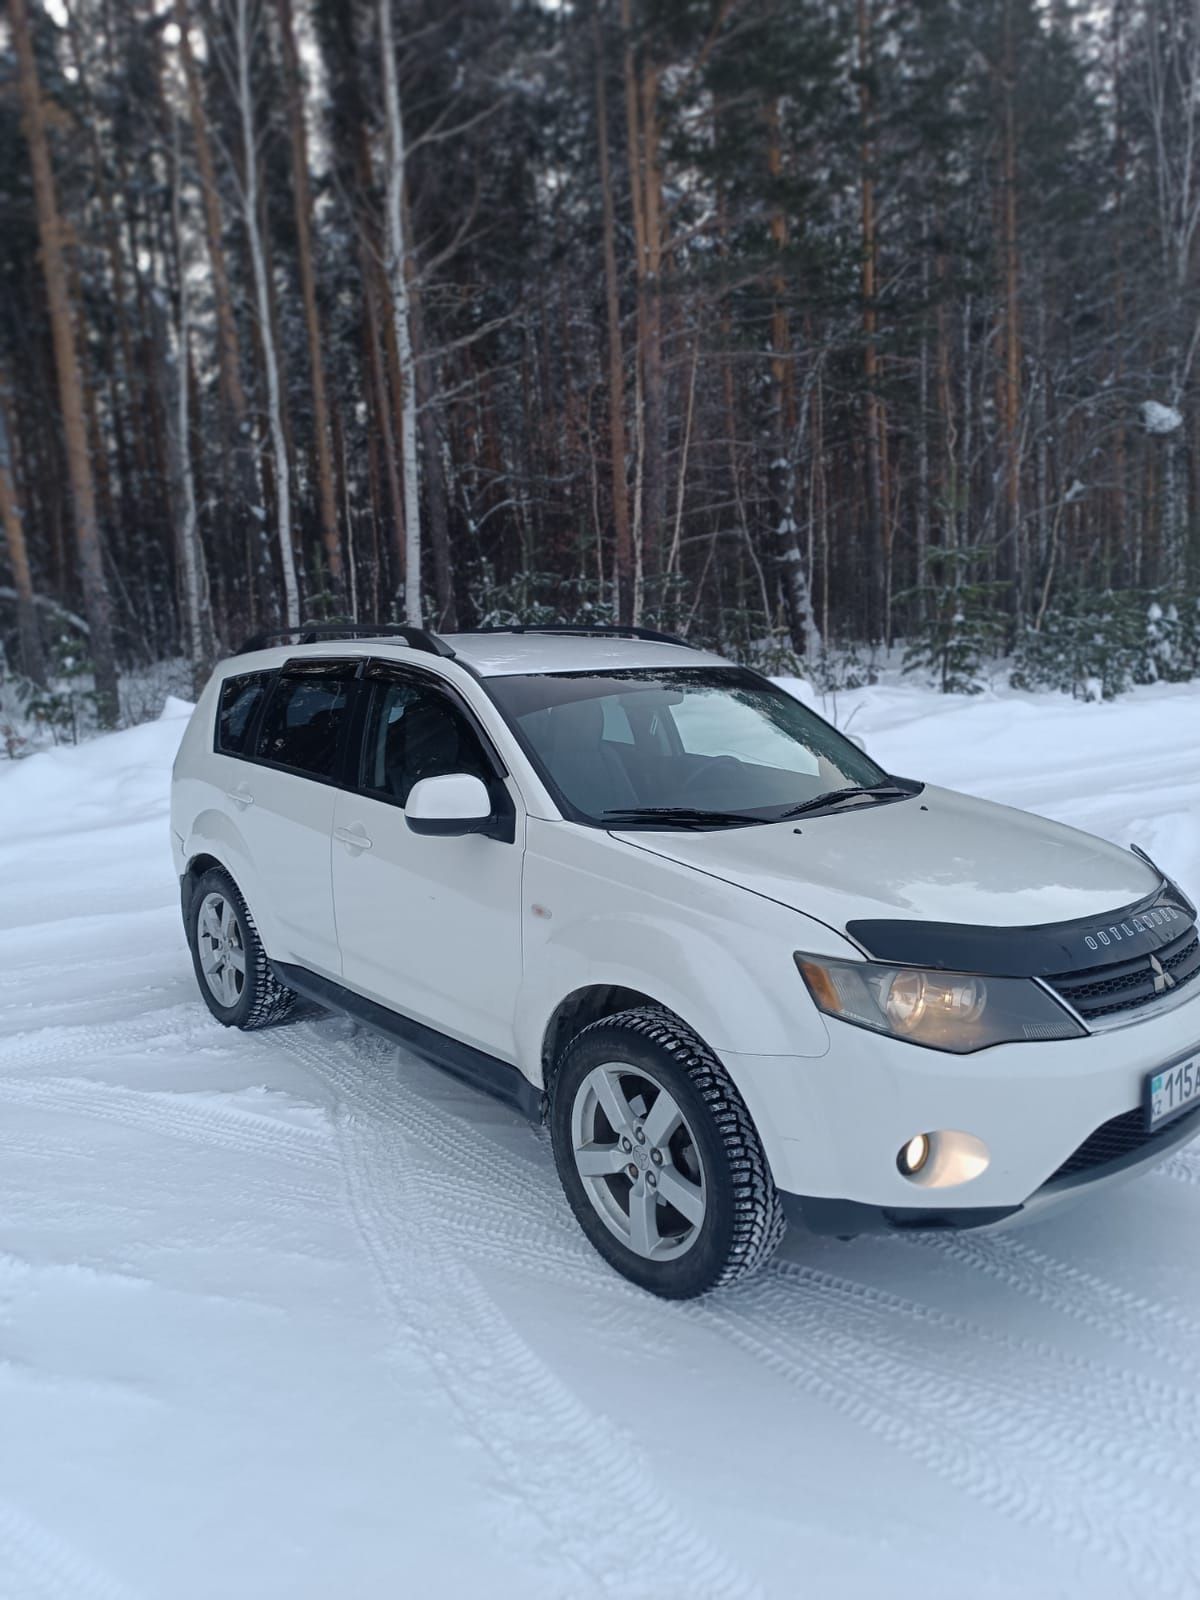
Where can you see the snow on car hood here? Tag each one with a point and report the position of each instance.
(939, 856)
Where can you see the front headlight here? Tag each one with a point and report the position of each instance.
(945, 1010)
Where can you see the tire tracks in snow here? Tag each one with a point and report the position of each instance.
(66, 1042)
(38, 1565)
(1182, 1167)
(1047, 1439)
(1039, 1435)
(561, 1463)
(1137, 1320)
(169, 1113)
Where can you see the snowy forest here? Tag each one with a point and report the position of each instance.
(807, 328)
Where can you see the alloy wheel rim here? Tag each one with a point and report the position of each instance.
(638, 1161)
(222, 949)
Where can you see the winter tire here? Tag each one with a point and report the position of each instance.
(231, 966)
(659, 1158)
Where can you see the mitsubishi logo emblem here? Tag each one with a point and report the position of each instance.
(1163, 980)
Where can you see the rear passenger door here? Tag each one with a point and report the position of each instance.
(430, 927)
(281, 800)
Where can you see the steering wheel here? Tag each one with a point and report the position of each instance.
(712, 768)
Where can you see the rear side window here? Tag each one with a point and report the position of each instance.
(303, 722)
(240, 700)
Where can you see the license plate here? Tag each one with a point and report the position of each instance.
(1172, 1091)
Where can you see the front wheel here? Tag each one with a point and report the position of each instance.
(231, 965)
(659, 1158)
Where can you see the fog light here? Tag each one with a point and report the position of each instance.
(913, 1155)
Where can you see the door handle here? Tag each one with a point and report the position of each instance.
(353, 837)
(240, 797)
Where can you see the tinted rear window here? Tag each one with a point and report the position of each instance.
(240, 700)
(301, 723)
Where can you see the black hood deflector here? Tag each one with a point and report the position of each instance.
(1050, 949)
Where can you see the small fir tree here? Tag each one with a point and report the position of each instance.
(963, 626)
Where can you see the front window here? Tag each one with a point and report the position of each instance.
(414, 731)
(699, 740)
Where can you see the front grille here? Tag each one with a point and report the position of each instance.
(1103, 991)
(1121, 1136)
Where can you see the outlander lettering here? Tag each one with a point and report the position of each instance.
(1127, 930)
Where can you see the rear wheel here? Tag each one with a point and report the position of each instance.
(231, 966)
(659, 1157)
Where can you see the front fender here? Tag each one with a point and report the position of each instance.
(600, 913)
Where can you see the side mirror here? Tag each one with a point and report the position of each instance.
(455, 803)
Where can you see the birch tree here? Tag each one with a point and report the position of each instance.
(616, 365)
(193, 574)
(302, 208)
(399, 269)
(247, 23)
(1171, 92)
(239, 466)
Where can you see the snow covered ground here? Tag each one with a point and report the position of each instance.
(290, 1315)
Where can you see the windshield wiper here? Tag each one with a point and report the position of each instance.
(855, 791)
(681, 816)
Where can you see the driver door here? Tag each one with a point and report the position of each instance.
(429, 927)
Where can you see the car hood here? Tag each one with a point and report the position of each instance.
(937, 857)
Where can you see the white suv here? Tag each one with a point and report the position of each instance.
(745, 973)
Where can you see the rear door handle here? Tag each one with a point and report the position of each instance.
(240, 797)
(354, 837)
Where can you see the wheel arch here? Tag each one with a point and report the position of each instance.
(214, 840)
(196, 867)
(586, 1005)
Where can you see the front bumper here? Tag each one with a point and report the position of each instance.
(832, 1126)
(846, 1219)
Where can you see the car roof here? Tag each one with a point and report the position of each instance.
(501, 654)
(495, 655)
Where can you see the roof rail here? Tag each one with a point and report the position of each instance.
(650, 634)
(314, 632)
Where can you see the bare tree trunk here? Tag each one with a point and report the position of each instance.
(788, 559)
(878, 541)
(923, 495)
(1172, 70)
(1117, 533)
(446, 612)
(96, 600)
(641, 140)
(446, 615)
(1012, 326)
(32, 659)
(237, 434)
(637, 200)
(376, 348)
(228, 351)
(247, 21)
(948, 477)
(654, 508)
(616, 364)
(193, 574)
(1010, 373)
(398, 269)
(302, 206)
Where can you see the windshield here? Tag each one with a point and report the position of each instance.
(696, 740)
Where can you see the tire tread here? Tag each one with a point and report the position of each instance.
(271, 1002)
(759, 1223)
